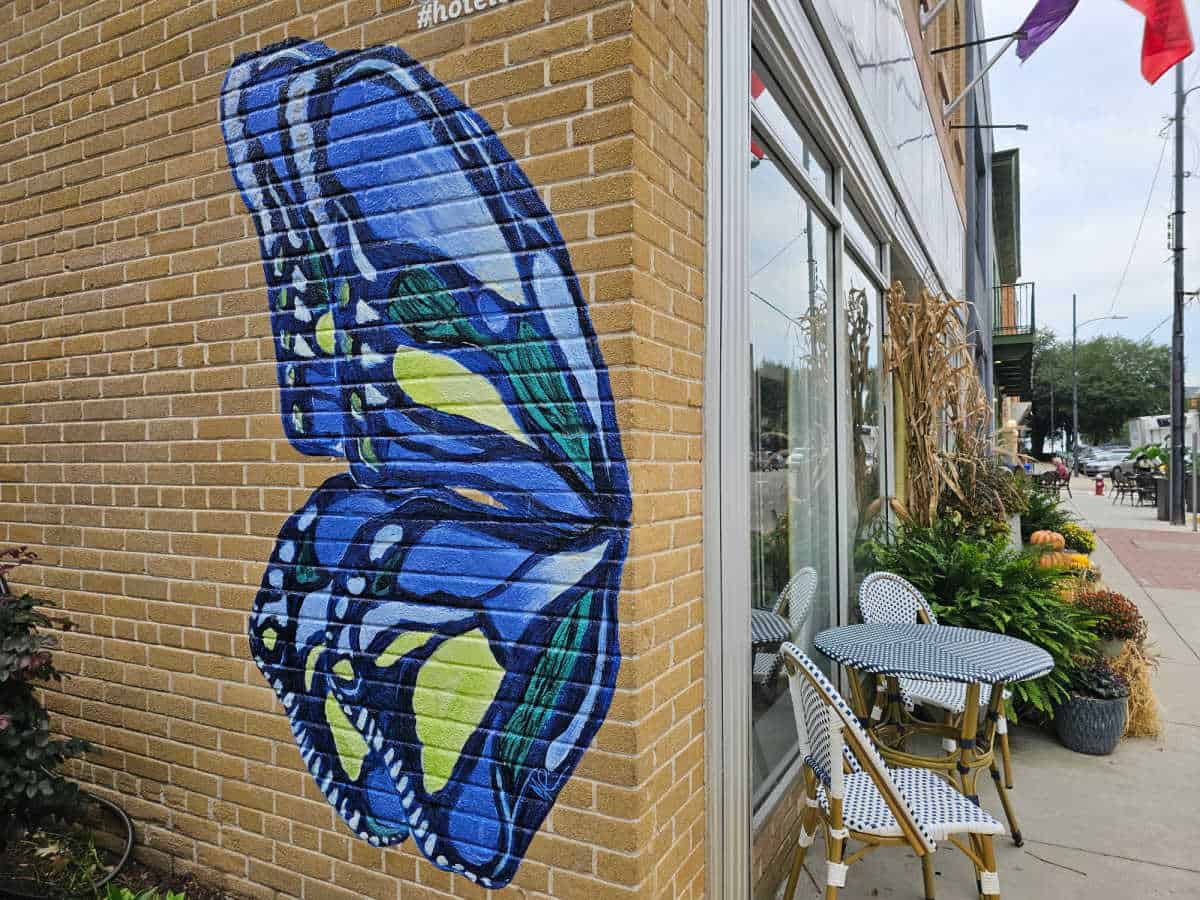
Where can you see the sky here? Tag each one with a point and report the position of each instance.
(1087, 165)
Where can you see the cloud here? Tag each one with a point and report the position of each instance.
(1086, 169)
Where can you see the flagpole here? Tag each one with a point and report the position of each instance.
(1178, 515)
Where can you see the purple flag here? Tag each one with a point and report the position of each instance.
(1043, 22)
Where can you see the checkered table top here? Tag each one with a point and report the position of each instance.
(767, 627)
(935, 651)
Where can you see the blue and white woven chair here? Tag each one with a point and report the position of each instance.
(887, 598)
(852, 794)
(793, 603)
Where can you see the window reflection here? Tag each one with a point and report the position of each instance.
(867, 441)
(797, 143)
(793, 522)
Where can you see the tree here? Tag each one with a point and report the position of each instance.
(1119, 380)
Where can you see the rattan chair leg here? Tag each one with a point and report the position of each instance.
(989, 860)
(927, 874)
(1005, 802)
(808, 826)
(835, 848)
(1006, 759)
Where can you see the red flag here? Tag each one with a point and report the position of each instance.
(1167, 39)
(756, 89)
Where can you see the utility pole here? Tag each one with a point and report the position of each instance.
(1178, 513)
(1052, 417)
(1074, 382)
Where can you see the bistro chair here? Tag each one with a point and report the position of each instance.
(887, 598)
(793, 603)
(1147, 489)
(854, 796)
(1124, 486)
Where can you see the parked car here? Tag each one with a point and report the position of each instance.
(1135, 464)
(1082, 455)
(1103, 460)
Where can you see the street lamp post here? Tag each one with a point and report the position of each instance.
(1075, 326)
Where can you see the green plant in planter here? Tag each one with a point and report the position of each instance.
(1099, 682)
(1044, 512)
(985, 584)
(31, 787)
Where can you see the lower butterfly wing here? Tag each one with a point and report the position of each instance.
(442, 679)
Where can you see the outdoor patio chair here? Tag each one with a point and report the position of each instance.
(1147, 489)
(887, 598)
(793, 603)
(1124, 486)
(853, 795)
(1063, 482)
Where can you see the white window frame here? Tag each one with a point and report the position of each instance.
(795, 57)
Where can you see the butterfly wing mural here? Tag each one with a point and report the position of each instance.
(439, 621)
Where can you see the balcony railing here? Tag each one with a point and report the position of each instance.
(1014, 313)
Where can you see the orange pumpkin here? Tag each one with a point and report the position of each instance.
(1054, 559)
(1048, 540)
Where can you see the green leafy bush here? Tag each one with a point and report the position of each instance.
(30, 784)
(1044, 512)
(985, 584)
(990, 493)
(1079, 538)
(124, 893)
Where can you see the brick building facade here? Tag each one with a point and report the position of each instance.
(184, 393)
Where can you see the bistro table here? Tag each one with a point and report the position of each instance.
(937, 653)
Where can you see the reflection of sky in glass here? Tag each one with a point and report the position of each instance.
(799, 146)
(891, 89)
(787, 239)
(858, 231)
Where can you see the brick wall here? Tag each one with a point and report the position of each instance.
(143, 453)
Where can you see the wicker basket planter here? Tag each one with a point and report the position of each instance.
(1088, 725)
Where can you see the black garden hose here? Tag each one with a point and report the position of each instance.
(35, 891)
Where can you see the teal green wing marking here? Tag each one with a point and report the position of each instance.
(423, 306)
(550, 676)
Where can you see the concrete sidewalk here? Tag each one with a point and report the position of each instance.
(1122, 827)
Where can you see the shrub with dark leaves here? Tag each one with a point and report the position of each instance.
(31, 786)
(1099, 682)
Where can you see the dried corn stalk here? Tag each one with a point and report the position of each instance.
(946, 411)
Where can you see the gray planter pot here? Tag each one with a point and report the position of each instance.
(1088, 725)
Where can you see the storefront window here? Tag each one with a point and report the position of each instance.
(861, 234)
(796, 142)
(868, 444)
(793, 525)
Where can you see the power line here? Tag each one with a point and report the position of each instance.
(1158, 326)
(1137, 237)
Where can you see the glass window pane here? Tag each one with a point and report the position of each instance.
(797, 143)
(793, 524)
(861, 234)
(868, 436)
